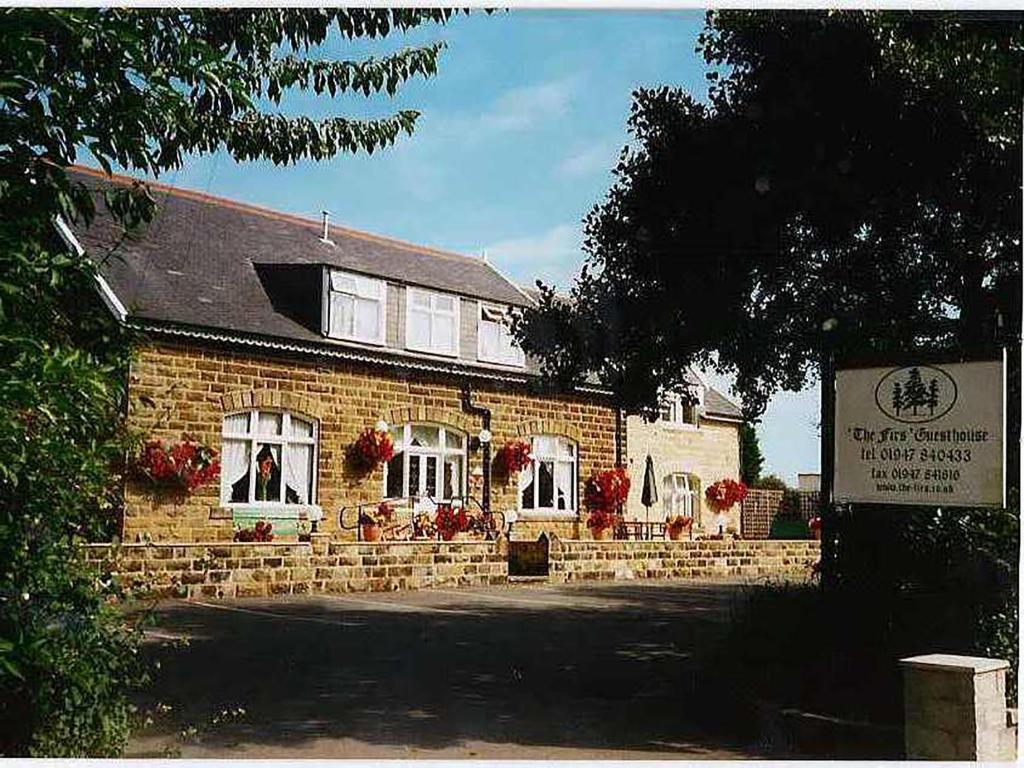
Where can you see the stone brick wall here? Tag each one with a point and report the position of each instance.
(710, 453)
(585, 560)
(179, 388)
(757, 512)
(230, 569)
(763, 505)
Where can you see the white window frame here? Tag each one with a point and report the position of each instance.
(382, 302)
(283, 439)
(572, 511)
(689, 506)
(677, 410)
(410, 292)
(440, 452)
(518, 359)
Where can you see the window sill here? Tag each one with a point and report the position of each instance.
(355, 339)
(679, 427)
(438, 352)
(276, 511)
(520, 364)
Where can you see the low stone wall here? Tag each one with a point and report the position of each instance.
(229, 569)
(582, 560)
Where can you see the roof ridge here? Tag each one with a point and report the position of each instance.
(270, 213)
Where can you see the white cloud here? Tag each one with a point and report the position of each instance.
(517, 109)
(553, 256)
(597, 157)
(524, 107)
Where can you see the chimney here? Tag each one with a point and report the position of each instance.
(324, 238)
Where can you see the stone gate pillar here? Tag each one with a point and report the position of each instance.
(955, 708)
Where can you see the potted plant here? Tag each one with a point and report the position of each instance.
(262, 531)
(679, 525)
(450, 521)
(601, 524)
(372, 523)
(721, 497)
(603, 495)
(814, 526)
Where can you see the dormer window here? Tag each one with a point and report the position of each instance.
(432, 322)
(496, 343)
(356, 308)
(675, 412)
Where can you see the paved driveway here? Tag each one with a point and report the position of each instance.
(532, 671)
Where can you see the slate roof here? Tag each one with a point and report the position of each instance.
(717, 404)
(195, 263)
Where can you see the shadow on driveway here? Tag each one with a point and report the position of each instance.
(573, 671)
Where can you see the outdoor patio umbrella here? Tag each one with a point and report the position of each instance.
(650, 492)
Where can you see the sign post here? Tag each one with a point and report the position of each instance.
(921, 433)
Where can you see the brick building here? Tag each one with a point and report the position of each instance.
(278, 339)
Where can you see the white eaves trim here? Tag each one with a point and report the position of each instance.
(717, 417)
(106, 292)
(336, 352)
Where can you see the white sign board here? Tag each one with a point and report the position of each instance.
(921, 434)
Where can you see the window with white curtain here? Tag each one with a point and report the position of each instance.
(496, 343)
(429, 462)
(678, 495)
(432, 321)
(268, 458)
(356, 308)
(548, 483)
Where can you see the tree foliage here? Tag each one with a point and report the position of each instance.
(142, 89)
(751, 459)
(862, 167)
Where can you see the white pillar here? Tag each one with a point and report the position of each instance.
(955, 708)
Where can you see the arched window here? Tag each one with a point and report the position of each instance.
(679, 495)
(429, 461)
(268, 458)
(548, 484)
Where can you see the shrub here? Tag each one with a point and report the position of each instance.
(771, 483)
(68, 657)
(906, 583)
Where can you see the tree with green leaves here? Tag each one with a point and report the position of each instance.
(860, 169)
(751, 460)
(852, 184)
(142, 89)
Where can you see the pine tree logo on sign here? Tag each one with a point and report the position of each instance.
(916, 394)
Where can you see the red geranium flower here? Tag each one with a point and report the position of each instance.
(185, 465)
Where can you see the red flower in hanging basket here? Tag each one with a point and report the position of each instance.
(184, 466)
(725, 494)
(371, 449)
(512, 458)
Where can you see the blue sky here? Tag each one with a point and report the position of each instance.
(519, 131)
